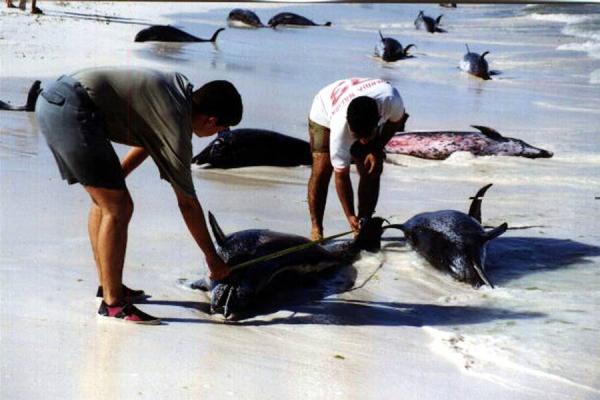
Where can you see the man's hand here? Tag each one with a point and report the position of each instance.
(370, 162)
(354, 224)
(218, 270)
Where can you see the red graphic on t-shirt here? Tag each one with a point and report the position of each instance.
(343, 87)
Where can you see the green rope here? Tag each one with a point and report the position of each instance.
(287, 251)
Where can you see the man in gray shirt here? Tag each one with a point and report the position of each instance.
(155, 113)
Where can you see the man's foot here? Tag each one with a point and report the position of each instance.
(130, 295)
(126, 312)
(36, 11)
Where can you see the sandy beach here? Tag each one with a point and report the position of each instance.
(404, 330)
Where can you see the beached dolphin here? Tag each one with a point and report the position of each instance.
(452, 241)
(476, 64)
(431, 25)
(237, 293)
(242, 18)
(390, 49)
(251, 147)
(439, 145)
(32, 96)
(447, 5)
(288, 18)
(167, 33)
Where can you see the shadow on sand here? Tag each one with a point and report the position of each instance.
(510, 258)
(360, 313)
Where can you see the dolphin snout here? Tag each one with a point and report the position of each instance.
(546, 154)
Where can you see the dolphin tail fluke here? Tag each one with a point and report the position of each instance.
(475, 209)
(328, 23)
(214, 36)
(494, 233)
(34, 92)
(217, 231)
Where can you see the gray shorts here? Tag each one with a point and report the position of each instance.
(75, 131)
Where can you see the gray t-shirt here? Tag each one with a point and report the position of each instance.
(147, 108)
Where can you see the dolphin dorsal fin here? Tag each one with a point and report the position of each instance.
(494, 233)
(485, 53)
(217, 231)
(475, 209)
(438, 19)
(214, 36)
(405, 51)
(489, 132)
(380, 35)
(467, 46)
(32, 96)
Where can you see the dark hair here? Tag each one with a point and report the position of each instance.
(219, 99)
(362, 116)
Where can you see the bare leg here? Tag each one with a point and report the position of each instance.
(22, 4)
(116, 208)
(318, 185)
(10, 4)
(368, 188)
(94, 220)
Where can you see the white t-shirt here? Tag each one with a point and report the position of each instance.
(331, 104)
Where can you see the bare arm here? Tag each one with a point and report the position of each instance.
(192, 213)
(133, 159)
(343, 186)
(390, 128)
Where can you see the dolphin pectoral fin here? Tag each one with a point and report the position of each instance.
(226, 309)
(475, 208)
(494, 233)
(217, 231)
(478, 268)
(490, 133)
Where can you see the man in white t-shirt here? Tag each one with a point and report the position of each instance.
(350, 120)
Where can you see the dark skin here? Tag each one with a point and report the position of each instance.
(369, 170)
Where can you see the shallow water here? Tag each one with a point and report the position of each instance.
(542, 318)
